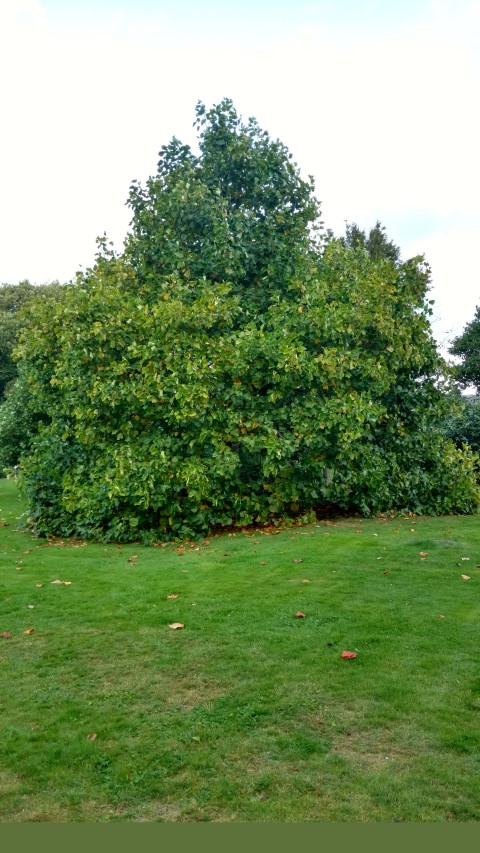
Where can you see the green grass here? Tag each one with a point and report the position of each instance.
(248, 713)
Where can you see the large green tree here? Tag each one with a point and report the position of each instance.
(230, 367)
(467, 347)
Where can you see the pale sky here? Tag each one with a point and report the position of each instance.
(377, 99)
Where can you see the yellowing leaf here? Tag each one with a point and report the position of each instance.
(6, 635)
(176, 625)
(29, 631)
(38, 585)
(92, 736)
(300, 615)
(172, 596)
(465, 577)
(423, 553)
(30, 606)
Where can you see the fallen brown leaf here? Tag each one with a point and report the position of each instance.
(6, 635)
(348, 655)
(18, 568)
(38, 585)
(440, 617)
(176, 625)
(423, 553)
(29, 631)
(30, 606)
(300, 615)
(386, 572)
(262, 563)
(172, 596)
(298, 561)
(92, 736)
(465, 577)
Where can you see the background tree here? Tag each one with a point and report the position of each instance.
(467, 347)
(229, 367)
(376, 243)
(463, 423)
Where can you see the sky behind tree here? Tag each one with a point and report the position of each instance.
(376, 99)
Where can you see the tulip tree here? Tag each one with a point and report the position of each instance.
(230, 366)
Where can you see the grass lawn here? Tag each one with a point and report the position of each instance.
(248, 713)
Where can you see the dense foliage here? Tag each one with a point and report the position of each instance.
(13, 297)
(467, 346)
(230, 367)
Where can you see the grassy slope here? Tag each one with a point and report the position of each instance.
(248, 713)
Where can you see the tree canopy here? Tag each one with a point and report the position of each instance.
(230, 366)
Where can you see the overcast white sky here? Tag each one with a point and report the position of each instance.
(377, 99)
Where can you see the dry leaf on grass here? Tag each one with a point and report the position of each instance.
(300, 615)
(298, 561)
(172, 596)
(29, 631)
(423, 553)
(38, 585)
(30, 606)
(465, 577)
(440, 617)
(348, 655)
(6, 635)
(176, 625)
(386, 572)
(262, 563)
(92, 736)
